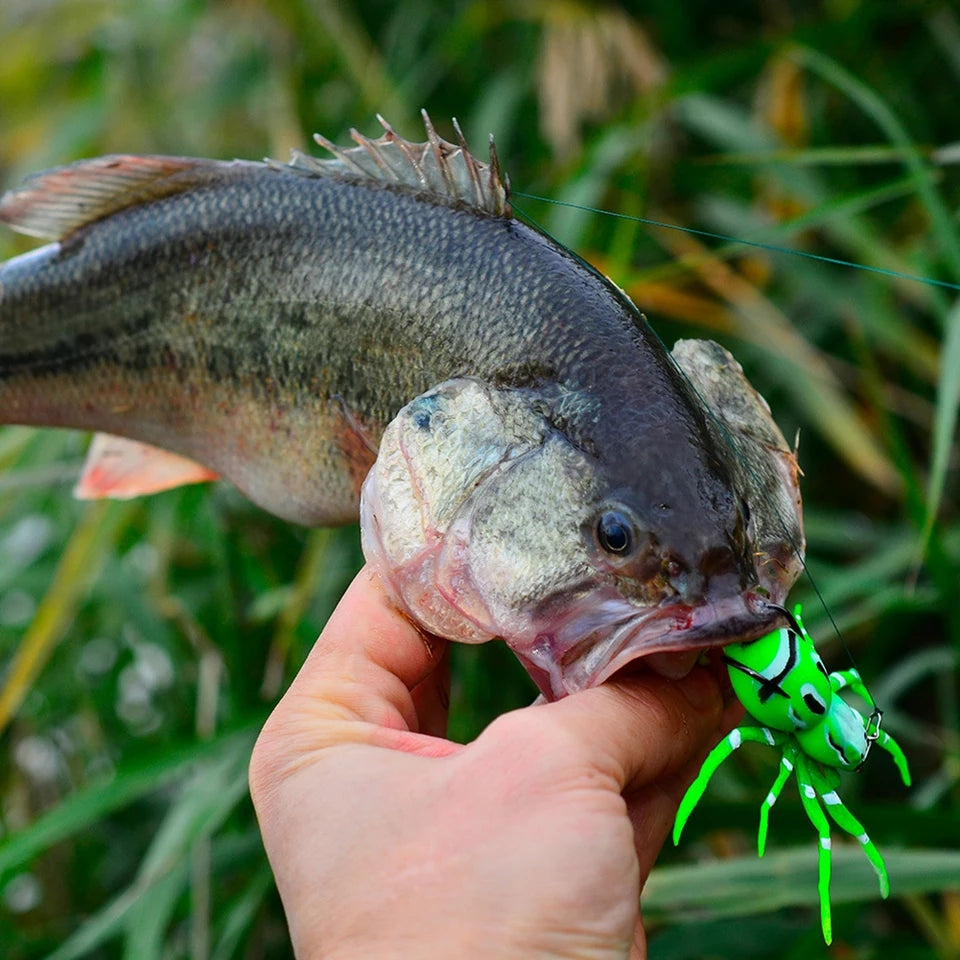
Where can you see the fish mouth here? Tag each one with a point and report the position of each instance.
(596, 639)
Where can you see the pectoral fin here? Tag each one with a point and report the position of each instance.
(119, 468)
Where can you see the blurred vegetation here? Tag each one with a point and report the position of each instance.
(145, 642)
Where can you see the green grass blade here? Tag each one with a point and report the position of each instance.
(95, 802)
(109, 921)
(876, 108)
(106, 923)
(148, 918)
(145, 908)
(744, 886)
(204, 803)
(242, 913)
(92, 540)
(944, 423)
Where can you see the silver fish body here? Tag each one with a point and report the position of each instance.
(574, 491)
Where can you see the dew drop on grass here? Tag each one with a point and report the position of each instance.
(143, 559)
(39, 759)
(23, 893)
(135, 701)
(153, 666)
(97, 657)
(28, 538)
(16, 608)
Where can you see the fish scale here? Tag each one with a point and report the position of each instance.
(269, 322)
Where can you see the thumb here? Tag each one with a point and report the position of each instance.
(648, 735)
(641, 729)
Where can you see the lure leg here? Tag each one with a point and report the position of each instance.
(786, 768)
(853, 680)
(720, 752)
(806, 778)
(847, 821)
(886, 742)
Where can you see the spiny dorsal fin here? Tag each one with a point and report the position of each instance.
(56, 202)
(446, 171)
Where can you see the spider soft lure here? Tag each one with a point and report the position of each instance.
(795, 703)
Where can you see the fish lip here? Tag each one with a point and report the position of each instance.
(563, 663)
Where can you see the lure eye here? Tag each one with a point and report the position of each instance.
(615, 533)
(814, 704)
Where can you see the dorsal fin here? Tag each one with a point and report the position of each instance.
(56, 202)
(444, 170)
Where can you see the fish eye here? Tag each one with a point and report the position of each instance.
(615, 532)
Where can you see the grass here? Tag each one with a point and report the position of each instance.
(145, 642)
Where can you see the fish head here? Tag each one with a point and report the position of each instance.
(486, 519)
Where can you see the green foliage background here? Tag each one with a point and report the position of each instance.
(145, 642)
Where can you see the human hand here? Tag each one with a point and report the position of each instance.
(387, 840)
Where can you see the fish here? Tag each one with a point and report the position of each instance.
(377, 334)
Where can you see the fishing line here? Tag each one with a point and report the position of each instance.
(772, 247)
(726, 433)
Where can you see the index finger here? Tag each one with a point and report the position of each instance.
(367, 680)
(366, 662)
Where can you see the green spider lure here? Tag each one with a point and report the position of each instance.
(784, 686)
